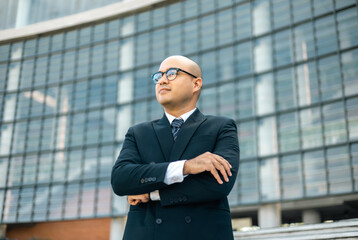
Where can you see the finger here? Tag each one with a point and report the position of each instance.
(225, 164)
(222, 170)
(215, 173)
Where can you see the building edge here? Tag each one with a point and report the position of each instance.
(78, 19)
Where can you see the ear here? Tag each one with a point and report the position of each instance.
(198, 83)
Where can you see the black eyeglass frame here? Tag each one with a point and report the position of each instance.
(166, 75)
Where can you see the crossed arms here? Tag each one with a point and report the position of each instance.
(211, 175)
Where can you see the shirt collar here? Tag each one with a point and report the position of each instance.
(185, 116)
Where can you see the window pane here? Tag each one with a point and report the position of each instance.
(291, 177)
(304, 42)
(190, 36)
(301, 10)
(348, 28)
(267, 136)
(226, 65)
(40, 203)
(158, 43)
(248, 182)
(339, 170)
(225, 26)
(315, 173)
(56, 202)
(350, 72)
(97, 59)
(281, 13)
(244, 59)
(71, 201)
(246, 98)
(311, 128)
(326, 35)
(307, 82)
(352, 114)
(289, 132)
(263, 54)
(265, 94)
(227, 100)
(285, 89)
(282, 48)
(330, 78)
(247, 136)
(322, 6)
(261, 17)
(354, 154)
(334, 123)
(208, 101)
(209, 66)
(95, 93)
(207, 32)
(243, 21)
(88, 193)
(269, 179)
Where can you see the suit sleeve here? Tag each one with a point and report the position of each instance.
(204, 187)
(130, 176)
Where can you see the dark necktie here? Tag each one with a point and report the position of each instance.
(176, 125)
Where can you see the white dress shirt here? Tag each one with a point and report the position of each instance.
(174, 172)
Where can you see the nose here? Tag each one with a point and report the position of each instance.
(163, 80)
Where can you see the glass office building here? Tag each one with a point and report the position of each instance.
(286, 71)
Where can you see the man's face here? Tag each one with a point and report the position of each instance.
(177, 93)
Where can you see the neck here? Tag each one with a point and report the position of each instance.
(178, 112)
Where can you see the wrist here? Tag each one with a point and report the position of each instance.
(186, 168)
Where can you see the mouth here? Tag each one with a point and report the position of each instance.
(163, 90)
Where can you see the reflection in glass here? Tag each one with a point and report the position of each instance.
(308, 91)
(291, 176)
(304, 42)
(334, 123)
(261, 17)
(248, 182)
(314, 173)
(339, 170)
(269, 179)
(326, 37)
(227, 100)
(247, 136)
(246, 98)
(350, 72)
(311, 127)
(352, 115)
(265, 94)
(289, 132)
(263, 54)
(354, 156)
(267, 136)
(330, 78)
(285, 89)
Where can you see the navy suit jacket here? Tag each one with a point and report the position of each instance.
(195, 209)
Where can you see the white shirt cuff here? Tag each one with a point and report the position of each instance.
(154, 196)
(174, 172)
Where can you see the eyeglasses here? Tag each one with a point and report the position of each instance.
(171, 74)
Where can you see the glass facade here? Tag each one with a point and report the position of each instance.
(19, 13)
(286, 71)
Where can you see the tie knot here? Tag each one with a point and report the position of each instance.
(177, 122)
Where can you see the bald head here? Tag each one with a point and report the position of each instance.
(183, 62)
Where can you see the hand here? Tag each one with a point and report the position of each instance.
(209, 162)
(136, 199)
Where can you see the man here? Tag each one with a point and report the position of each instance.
(178, 171)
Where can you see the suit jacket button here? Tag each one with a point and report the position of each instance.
(158, 221)
(142, 180)
(187, 219)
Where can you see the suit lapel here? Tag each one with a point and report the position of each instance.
(164, 134)
(185, 133)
